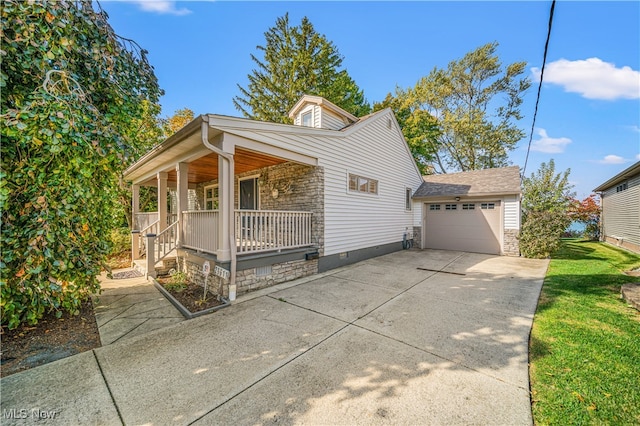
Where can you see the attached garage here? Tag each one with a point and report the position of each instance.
(477, 211)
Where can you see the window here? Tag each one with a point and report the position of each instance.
(488, 206)
(468, 207)
(434, 206)
(211, 197)
(451, 207)
(407, 198)
(621, 187)
(362, 184)
(307, 119)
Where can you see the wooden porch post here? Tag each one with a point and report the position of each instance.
(225, 198)
(135, 206)
(162, 201)
(182, 170)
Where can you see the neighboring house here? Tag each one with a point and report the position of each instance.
(476, 211)
(620, 202)
(274, 202)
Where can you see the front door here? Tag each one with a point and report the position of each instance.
(249, 194)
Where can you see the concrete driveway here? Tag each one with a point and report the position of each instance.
(415, 337)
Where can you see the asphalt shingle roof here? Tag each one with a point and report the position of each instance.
(505, 180)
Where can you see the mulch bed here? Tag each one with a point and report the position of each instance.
(191, 296)
(51, 339)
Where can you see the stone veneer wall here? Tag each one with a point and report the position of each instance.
(300, 187)
(511, 243)
(249, 280)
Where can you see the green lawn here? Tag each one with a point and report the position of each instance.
(585, 341)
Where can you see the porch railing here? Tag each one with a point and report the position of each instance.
(143, 220)
(200, 230)
(265, 230)
(166, 241)
(151, 228)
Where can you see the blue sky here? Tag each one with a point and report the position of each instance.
(589, 113)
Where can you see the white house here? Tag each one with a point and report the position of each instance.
(273, 202)
(620, 202)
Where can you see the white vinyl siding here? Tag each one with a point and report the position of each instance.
(351, 222)
(621, 212)
(511, 213)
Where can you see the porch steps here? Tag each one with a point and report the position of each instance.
(162, 267)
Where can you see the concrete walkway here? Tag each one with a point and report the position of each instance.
(131, 307)
(415, 337)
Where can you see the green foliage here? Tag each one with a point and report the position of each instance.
(296, 61)
(477, 102)
(584, 346)
(120, 240)
(177, 281)
(546, 201)
(419, 127)
(73, 93)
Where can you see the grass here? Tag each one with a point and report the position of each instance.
(585, 340)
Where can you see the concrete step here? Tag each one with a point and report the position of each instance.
(162, 268)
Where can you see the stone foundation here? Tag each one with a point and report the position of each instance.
(511, 243)
(257, 278)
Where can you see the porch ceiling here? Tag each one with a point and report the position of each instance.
(205, 168)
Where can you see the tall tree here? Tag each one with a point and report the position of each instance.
(67, 132)
(177, 121)
(419, 127)
(546, 202)
(477, 102)
(296, 60)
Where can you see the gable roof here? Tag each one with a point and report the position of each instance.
(501, 181)
(318, 100)
(620, 177)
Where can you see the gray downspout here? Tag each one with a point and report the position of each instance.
(230, 180)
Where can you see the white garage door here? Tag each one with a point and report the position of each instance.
(468, 226)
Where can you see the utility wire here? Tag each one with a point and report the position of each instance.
(535, 112)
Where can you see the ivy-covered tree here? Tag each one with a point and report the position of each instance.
(297, 60)
(546, 201)
(419, 127)
(477, 102)
(73, 97)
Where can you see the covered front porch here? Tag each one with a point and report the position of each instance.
(225, 197)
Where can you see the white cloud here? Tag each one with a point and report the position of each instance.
(637, 156)
(161, 6)
(548, 144)
(613, 159)
(634, 128)
(593, 78)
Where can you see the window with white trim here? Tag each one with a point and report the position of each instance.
(488, 206)
(363, 184)
(622, 187)
(451, 207)
(468, 206)
(307, 119)
(407, 199)
(211, 197)
(434, 206)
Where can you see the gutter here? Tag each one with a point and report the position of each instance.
(230, 180)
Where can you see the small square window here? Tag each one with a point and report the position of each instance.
(488, 206)
(434, 206)
(451, 207)
(468, 206)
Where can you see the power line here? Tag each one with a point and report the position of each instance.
(535, 112)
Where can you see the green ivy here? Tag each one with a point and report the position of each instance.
(73, 92)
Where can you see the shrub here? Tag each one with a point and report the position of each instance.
(540, 234)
